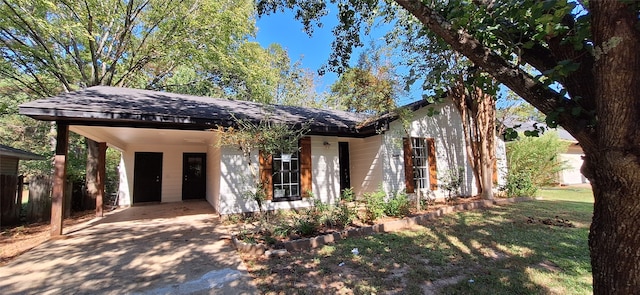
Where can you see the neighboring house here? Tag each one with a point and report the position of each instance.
(171, 153)
(572, 157)
(10, 181)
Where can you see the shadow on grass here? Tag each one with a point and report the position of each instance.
(494, 251)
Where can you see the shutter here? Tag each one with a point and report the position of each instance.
(266, 173)
(305, 166)
(433, 169)
(408, 166)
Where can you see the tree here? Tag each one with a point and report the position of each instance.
(369, 87)
(586, 79)
(444, 72)
(60, 46)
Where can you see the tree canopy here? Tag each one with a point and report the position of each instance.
(576, 62)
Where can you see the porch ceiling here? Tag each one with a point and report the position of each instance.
(121, 137)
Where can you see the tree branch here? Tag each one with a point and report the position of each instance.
(534, 92)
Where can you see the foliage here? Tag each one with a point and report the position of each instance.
(583, 76)
(398, 205)
(305, 225)
(263, 136)
(370, 87)
(347, 195)
(142, 44)
(374, 205)
(520, 184)
(538, 257)
(344, 214)
(537, 157)
(452, 182)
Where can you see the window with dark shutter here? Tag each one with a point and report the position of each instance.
(420, 168)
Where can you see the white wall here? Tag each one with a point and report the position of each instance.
(236, 179)
(446, 129)
(213, 175)
(573, 161)
(171, 169)
(366, 160)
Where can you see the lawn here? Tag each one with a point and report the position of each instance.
(536, 247)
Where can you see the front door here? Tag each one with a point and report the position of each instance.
(345, 172)
(147, 177)
(194, 176)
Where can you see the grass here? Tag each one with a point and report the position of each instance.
(494, 251)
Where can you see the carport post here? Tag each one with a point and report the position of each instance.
(59, 177)
(102, 159)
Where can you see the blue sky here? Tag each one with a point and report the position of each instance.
(314, 51)
(282, 28)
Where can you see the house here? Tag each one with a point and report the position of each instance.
(571, 158)
(170, 153)
(10, 181)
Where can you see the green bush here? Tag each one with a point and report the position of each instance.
(344, 214)
(306, 225)
(347, 195)
(520, 184)
(374, 205)
(536, 157)
(398, 205)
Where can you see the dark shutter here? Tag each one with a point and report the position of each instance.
(305, 166)
(408, 165)
(266, 173)
(433, 169)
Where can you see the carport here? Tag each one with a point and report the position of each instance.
(170, 248)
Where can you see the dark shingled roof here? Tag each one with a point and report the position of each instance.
(126, 107)
(8, 151)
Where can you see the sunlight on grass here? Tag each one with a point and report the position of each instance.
(501, 250)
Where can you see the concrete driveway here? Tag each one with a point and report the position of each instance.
(173, 248)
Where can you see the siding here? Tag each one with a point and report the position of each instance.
(446, 128)
(8, 166)
(171, 167)
(236, 178)
(573, 161)
(213, 176)
(366, 164)
(326, 168)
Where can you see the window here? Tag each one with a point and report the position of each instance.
(286, 177)
(420, 164)
(420, 159)
(287, 180)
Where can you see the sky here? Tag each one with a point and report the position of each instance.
(313, 51)
(284, 29)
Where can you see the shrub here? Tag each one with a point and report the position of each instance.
(398, 205)
(347, 195)
(520, 184)
(536, 157)
(451, 182)
(344, 214)
(374, 205)
(305, 225)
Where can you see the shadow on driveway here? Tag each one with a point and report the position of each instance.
(174, 248)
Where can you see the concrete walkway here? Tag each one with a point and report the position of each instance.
(174, 248)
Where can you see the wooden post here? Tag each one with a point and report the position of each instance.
(59, 177)
(102, 162)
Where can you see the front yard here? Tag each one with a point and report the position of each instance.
(537, 247)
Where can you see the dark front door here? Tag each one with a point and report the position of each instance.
(345, 172)
(194, 177)
(147, 177)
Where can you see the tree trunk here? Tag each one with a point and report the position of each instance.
(93, 153)
(612, 150)
(478, 124)
(613, 164)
